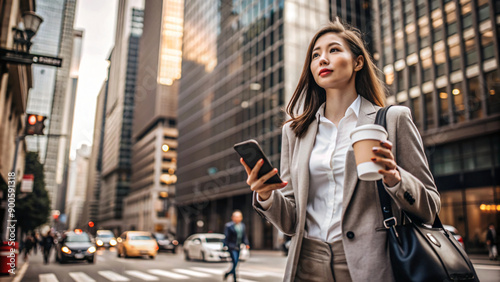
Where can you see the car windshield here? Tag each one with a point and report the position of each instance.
(140, 237)
(78, 238)
(105, 235)
(160, 236)
(214, 240)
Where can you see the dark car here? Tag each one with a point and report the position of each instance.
(75, 246)
(166, 242)
(105, 238)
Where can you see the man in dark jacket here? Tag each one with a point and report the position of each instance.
(47, 243)
(491, 242)
(235, 236)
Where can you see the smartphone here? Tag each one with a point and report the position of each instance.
(251, 153)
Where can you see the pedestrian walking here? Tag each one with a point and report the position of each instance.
(47, 243)
(36, 241)
(29, 243)
(335, 220)
(491, 242)
(235, 236)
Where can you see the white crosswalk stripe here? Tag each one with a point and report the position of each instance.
(169, 274)
(191, 273)
(210, 270)
(81, 277)
(112, 276)
(142, 275)
(48, 277)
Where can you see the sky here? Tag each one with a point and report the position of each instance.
(97, 18)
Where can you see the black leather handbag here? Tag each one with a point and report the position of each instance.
(418, 252)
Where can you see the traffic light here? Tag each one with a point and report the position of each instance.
(91, 224)
(35, 124)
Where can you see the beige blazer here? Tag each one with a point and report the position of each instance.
(366, 253)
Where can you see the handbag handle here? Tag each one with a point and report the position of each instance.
(385, 199)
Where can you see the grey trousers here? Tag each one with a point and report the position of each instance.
(322, 262)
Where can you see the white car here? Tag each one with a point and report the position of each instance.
(455, 234)
(210, 247)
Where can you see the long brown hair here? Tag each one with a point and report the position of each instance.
(368, 83)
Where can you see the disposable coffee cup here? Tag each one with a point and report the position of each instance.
(363, 139)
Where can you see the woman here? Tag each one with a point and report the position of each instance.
(335, 220)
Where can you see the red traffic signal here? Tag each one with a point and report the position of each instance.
(35, 124)
(91, 224)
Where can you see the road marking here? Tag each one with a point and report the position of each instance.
(487, 267)
(251, 274)
(209, 270)
(20, 274)
(48, 277)
(168, 274)
(245, 280)
(113, 276)
(142, 275)
(81, 277)
(191, 273)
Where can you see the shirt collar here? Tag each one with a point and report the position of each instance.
(353, 108)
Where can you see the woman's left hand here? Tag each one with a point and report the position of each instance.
(386, 159)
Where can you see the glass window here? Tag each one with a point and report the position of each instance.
(434, 5)
(444, 115)
(467, 21)
(493, 91)
(429, 111)
(416, 111)
(452, 28)
(477, 218)
(458, 102)
(438, 34)
(484, 13)
(471, 54)
(452, 211)
(413, 75)
(475, 98)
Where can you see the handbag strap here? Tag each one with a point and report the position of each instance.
(385, 199)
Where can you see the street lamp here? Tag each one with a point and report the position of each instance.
(22, 37)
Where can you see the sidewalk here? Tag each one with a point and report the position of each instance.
(483, 259)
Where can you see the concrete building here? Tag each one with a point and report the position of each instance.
(91, 208)
(77, 187)
(117, 145)
(15, 82)
(441, 59)
(150, 205)
(68, 116)
(234, 85)
(47, 42)
(61, 116)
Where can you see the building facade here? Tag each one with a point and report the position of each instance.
(47, 42)
(15, 83)
(117, 140)
(150, 205)
(91, 208)
(234, 87)
(441, 59)
(57, 157)
(77, 187)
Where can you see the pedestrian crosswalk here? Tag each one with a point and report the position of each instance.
(185, 274)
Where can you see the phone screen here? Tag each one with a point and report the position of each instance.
(251, 153)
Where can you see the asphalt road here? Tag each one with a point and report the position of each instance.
(262, 266)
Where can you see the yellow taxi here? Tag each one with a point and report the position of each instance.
(137, 243)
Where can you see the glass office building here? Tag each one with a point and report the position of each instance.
(441, 59)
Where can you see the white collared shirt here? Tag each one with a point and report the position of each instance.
(326, 175)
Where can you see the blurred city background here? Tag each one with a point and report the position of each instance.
(184, 80)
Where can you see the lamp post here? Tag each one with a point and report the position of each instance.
(22, 37)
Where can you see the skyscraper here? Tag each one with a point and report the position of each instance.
(154, 153)
(241, 63)
(441, 59)
(116, 156)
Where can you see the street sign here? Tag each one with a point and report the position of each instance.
(17, 57)
(27, 183)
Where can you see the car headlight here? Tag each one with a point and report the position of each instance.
(175, 242)
(112, 242)
(99, 243)
(66, 250)
(91, 250)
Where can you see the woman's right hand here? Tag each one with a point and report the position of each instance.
(263, 190)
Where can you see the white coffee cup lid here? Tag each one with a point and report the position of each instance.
(368, 131)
